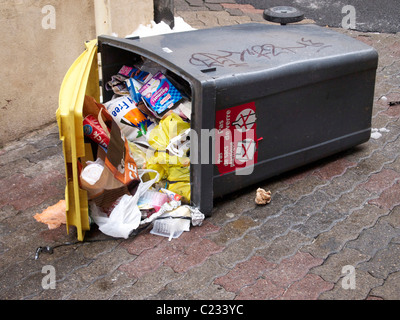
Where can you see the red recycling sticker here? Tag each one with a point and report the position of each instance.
(236, 140)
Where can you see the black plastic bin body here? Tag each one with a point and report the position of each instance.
(311, 90)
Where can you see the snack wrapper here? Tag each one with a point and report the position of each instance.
(159, 93)
(132, 122)
(134, 86)
(93, 130)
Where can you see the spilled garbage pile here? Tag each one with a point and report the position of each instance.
(141, 142)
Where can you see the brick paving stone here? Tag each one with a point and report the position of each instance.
(233, 229)
(190, 17)
(241, 7)
(220, 1)
(283, 246)
(195, 279)
(13, 167)
(273, 228)
(303, 187)
(147, 286)
(335, 168)
(390, 255)
(214, 291)
(105, 287)
(391, 151)
(319, 222)
(195, 235)
(15, 152)
(348, 229)
(292, 269)
(350, 200)
(195, 3)
(181, 5)
(241, 19)
(29, 287)
(244, 274)
(263, 289)
(370, 165)
(364, 283)
(234, 205)
(238, 251)
(213, 6)
(100, 249)
(142, 242)
(289, 280)
(393, 111)
(194, 255)
(393, 218)
(394, 165)
(361, 153)
(390, 289)
(331, 269)
(396, 239)
(189, 250)
(99, 267)
(308, 288)
(234, 11)
(341, 184)
(373, 239)
(97, 277)
(389, 198)
(298, 174)
(381, 180)
(307, 206)
(42, 186)
(149, 260)
(44, 153)
(381, 120)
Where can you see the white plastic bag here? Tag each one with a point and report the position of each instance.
(126, 216)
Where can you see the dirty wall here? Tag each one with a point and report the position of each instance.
(39, 40)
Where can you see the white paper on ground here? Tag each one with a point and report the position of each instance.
(154, 29)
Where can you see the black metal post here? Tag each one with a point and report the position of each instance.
(164, 11)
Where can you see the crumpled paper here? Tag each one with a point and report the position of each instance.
(54, 216)
(262, 196)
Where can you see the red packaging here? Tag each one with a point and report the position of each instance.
(93, 130)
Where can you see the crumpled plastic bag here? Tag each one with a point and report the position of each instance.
(126, 215)
(173, 168)
(179, 181)
(54, 216)
(167, 129)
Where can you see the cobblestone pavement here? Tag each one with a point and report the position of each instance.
(338, 212)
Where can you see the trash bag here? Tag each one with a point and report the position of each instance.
(119, 175)
(125, 217)
(173, 168)
(179, 181)
(167, 129)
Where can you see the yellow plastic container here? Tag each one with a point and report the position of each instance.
(81, 79)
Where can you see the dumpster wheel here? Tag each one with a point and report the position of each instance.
(283, 15)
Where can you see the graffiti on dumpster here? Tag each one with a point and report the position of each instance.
(225, 58)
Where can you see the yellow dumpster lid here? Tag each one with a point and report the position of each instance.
(81, 79)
